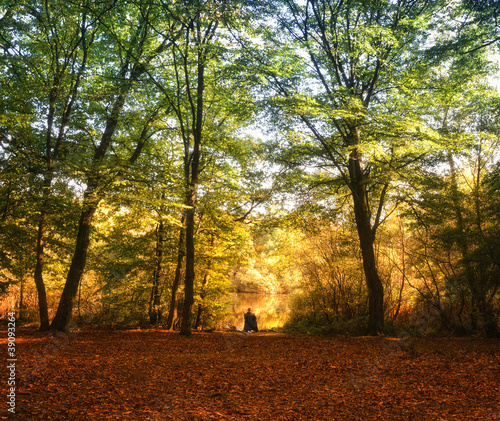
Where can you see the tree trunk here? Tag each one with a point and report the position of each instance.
(42, 225)
(40, 286)
(187, 315)
(177, 278)
(201, 304)
(21, 297)
(192, 173)
(92, 198)
(363, 225)
(154, 308)
(52, 156)
(403, 267)
(63, 316)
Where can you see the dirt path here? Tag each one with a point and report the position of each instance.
(157, 375)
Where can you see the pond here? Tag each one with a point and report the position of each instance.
(271, 310)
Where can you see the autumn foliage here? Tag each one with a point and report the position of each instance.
(152, 374)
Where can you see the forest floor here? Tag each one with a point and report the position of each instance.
(152, 374)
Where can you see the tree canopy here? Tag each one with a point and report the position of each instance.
(156, 157)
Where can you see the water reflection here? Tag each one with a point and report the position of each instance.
(271, 310)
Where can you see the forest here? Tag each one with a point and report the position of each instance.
(160, 157)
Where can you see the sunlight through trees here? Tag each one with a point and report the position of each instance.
(159, 157)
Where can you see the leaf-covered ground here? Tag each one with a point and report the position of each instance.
(158, 375)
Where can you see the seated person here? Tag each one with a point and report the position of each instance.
(250, 321)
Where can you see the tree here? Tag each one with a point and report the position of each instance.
(479, 26)
(453, 198)
(200, 85)
(46, 47)
(137, 45)
(345, 95)
(16, 227)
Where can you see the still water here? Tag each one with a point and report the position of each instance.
(271, 310)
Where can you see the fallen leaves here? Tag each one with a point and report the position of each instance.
(157, 375)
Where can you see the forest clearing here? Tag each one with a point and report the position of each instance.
(158, 159)
(153, 374)
(329, 168)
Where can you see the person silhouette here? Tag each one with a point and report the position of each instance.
(250, 321)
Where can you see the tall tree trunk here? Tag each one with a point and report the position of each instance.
(403, 266)
(92, 198)
(40, 286)
(154, 308)
(63, 316)
(192, 173)
(52, 152)
(177, 278)
(187, 315)
(50, 157)
(363, 225)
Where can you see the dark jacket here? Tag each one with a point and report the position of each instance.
(250, 322)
